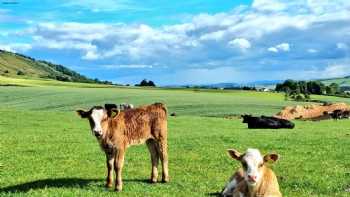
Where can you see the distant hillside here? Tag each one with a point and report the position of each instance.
(20, 66)
(342, 81)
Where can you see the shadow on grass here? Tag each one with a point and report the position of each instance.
(139, 181)
(214, 194)
(59, 183)
(49, 183)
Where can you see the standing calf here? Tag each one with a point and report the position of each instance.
(116, 132)
(254, 179)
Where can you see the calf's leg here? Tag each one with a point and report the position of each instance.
(234, 180)
(109, 162)
(163, 150)
(118, 166)
(152, 147)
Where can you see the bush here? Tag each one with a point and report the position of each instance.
(20, 72)
(62, 78)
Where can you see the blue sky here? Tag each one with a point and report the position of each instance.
(183, 42)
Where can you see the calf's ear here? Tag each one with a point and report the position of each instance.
(234, 154)
(271, 157)
(82, 113)
(114, 112)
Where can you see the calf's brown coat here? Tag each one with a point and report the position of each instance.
(130, 127)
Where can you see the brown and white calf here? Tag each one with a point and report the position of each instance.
(116, 130)
(254, 179)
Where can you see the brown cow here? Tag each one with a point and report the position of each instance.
(116, 132)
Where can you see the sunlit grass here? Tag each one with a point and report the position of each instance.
(46, 150)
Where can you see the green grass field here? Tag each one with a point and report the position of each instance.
(46, 150)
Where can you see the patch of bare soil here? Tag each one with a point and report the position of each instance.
(310, 111)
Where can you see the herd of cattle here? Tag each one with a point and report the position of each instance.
(117, 127)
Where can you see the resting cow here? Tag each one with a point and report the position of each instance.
(116, 130)
(339, 114)
(265, 122)
(254, 179)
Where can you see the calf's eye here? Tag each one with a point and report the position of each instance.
(244, 165)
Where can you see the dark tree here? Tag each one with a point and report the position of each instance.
(151, 83)
(146, 83)
(20, 72)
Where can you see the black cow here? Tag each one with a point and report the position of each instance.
(346, 114)
(336, 114)
(339, 114)
(265, 122)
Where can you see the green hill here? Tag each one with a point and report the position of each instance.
(342, 81)
(19, 66)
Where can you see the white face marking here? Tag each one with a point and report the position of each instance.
(253, 159)
(228, 191)
(97, 116)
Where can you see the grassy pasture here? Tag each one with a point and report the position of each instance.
(36, 82)
(46, 150)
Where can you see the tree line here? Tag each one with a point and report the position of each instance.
(301, 90)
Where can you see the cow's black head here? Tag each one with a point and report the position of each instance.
(246, 118)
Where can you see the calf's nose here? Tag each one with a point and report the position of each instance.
(98, 133)
(252, 178)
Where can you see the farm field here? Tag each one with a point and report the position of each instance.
(46, 150)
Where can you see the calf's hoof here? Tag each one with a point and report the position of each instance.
(109, 185)
(118, 188)
(153, 180)
(165, 180)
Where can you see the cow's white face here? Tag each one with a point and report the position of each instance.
(252, 162)
(96, 117)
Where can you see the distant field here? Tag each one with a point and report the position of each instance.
(10, 81)
(46, 150)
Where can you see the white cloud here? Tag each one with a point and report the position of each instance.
(6, 48)
(272, 49)
(280, 47)
(16, 47)
(341, 45)
(241, 43)
(335, 70)
(127, 66)
(91, 55)
(312, 51)
(268, 5)
(303, 28)
(283, 47)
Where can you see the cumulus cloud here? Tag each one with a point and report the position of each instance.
(301, 35)
(269, 5)
(240, 43)
(127, 66)
(280, 47)
(312, 51)
(341, 45)
(16, 47)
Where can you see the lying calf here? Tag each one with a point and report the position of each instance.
(254, 179)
